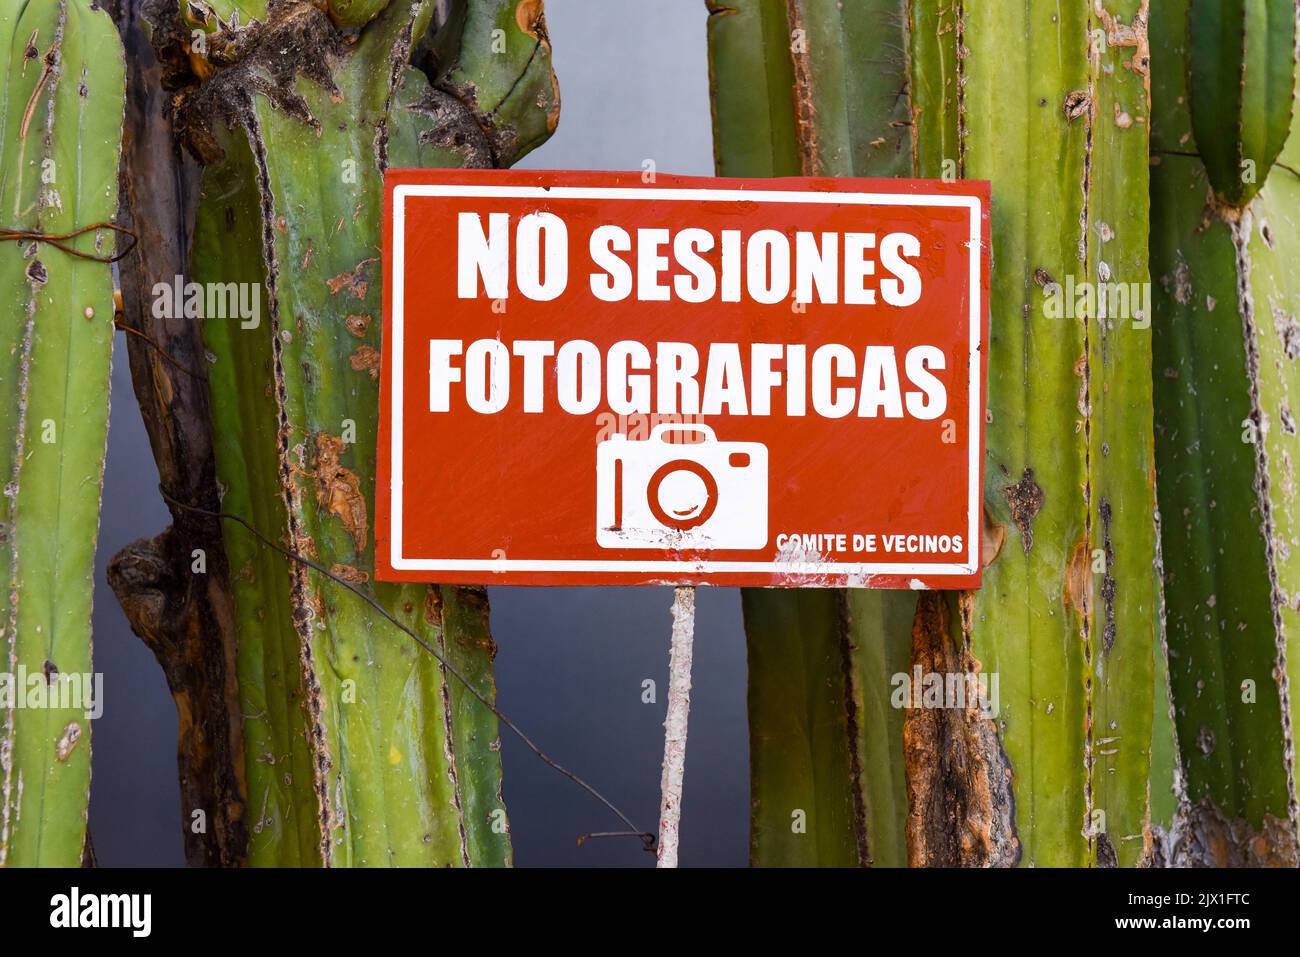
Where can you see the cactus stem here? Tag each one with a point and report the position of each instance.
(1240, 227)
(956, 768)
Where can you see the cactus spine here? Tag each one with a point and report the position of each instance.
(62, 118)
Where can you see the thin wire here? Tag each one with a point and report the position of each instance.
(1290, 169)
(646, 837)
(56, 240)
(599, 834)
(159, 349)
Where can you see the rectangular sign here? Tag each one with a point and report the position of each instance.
(591, 379)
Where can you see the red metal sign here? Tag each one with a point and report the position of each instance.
(591, 379)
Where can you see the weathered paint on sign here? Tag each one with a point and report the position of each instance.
(592, 379)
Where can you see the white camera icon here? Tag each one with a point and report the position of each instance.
(652, 493)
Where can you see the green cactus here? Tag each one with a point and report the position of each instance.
(826, 746)
(1066, 616)
(1143, 665)
(1227, 309)
(354, 14)
(61, 114)
(826, 777)
(1068, 609)
(833, 101)
(1240, 68)
(403, 765)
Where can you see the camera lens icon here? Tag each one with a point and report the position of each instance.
(653, 493)
(677, 502)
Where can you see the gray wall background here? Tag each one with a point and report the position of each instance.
(634, 83)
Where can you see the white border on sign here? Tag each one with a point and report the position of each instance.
(399, 561)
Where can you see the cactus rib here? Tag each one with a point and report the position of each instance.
(62, 119)
(404, 765)
(1066, 614)
(825, 746)
(1240, 66)
(1227, 303)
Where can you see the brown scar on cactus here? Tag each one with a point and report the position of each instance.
(530, 17)
(955, 766)
(1078, 579)
(349, 573)
(48, 63)
(1135, 34)
(338, 489)
(475, 599)
(1076, 104)
(31, 51)
(1203, 836)
(433, 606)
(1106, 855)
(805, 109)
(477, 131)
(1108, 584)
(1025, 498)
(351, 281)
(67, 741)
(264, 58)
(454, 128)
(365, 359)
